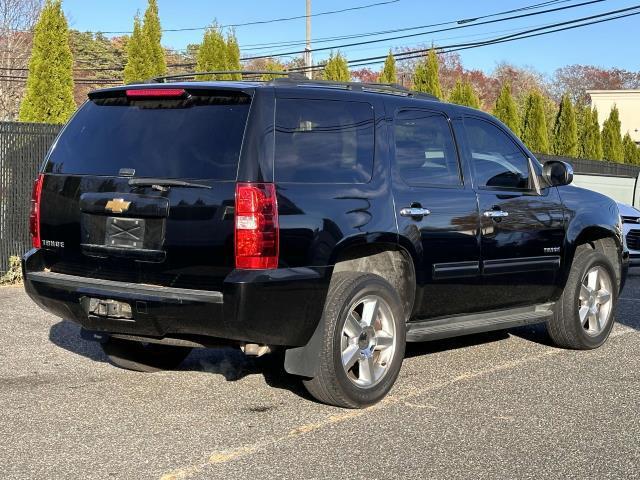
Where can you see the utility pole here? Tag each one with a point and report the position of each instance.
(307, 50)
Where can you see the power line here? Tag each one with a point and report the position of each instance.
(462, 23)
(458, 27)
(288, 43)
(262, 22)
(536, 32)
(528, 33)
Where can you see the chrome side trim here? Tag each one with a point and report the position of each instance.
(523, 264)
(455, 270)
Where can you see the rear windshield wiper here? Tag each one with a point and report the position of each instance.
(159, 183)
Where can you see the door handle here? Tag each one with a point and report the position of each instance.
(496, 214)
(414, 212)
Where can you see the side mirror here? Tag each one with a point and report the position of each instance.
(557, 173)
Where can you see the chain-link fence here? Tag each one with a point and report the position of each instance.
(23, 146)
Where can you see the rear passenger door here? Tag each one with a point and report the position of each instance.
(522, 222)
(436, 212)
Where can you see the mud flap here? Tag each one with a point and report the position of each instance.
(303, 360)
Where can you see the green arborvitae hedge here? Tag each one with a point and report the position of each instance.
(49, 91)
(506, 109)
(388, 73)
(426, 76)
(565, 130)
(337, 68)
(611, 137)
(534, 127)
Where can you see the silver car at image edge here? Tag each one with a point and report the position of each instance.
(631, 230)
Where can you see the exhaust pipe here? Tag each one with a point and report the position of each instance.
(255, 350)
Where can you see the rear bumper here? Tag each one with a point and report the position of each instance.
(274, 307)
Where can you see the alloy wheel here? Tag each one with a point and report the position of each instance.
(595, 300)
(368, 341)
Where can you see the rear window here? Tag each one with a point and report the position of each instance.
(195, 138)
(324, 141)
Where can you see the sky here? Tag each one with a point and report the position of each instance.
(610, 44)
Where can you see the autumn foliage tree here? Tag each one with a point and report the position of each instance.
(534, 127)
(49, 91)
(506, 109)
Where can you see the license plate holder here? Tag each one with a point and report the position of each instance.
(125, 232)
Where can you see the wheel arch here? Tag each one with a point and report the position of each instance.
(387, 260)
(605, 239)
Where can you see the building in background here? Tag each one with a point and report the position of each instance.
(628, 103)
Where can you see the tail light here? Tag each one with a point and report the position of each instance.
(155, 92)
(34, 216)
(257, 235)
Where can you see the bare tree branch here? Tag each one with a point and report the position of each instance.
(17, 19)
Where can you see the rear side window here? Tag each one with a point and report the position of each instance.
(196, 138)
(324, 141)
(425, 152)
(497, 160)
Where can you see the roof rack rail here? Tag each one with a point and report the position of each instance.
(384, 88)
(243, 73)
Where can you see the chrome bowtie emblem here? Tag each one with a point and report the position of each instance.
(117, 205)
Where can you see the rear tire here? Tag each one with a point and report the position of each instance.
(144, 357)
(584, 314)
(363, 344)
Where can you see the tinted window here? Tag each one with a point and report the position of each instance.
(320, 141)
(425, 152)
(196, 138)
(497, 160)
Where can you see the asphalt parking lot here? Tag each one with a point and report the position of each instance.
(499, 405)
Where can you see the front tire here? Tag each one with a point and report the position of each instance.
(363, 344)
(584, 314)
(144, 357)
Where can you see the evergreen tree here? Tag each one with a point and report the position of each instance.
(272, 65)
(212, 54)
(457, 94)
(138, 67)
(588, 135)
(611, 138)
(426, 76)
(233, 55)
(597, 135)
(49, 91)
(471, 97)
(565, 130)
(337, 68)
(388, 74)
(152, 32)
(589, 138)
(506, 109)
(631, 150)
(534, 127)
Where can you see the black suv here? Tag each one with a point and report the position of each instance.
(331, 221)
